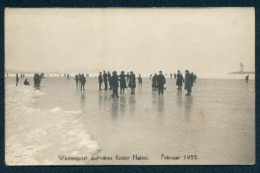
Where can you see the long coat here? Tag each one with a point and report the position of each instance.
(188, 81)
(132, 83)
(179, 80)
(122, 81)
(114, 81)
(100, 80)
(154, 81)
(160, 81)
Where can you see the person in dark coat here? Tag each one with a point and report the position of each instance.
(17, 79)
(132, 83)
(179, 80)
(140, 80)
(154, 82)
(26, 82)
(105, 79)
(77, 79)
(83, 82)
(114, 82)
(160, 82)
(247, 78)
(188, 82)
(109, 80)
(122, 77)
(100, 80)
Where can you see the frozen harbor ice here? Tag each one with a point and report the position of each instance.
(216, 123)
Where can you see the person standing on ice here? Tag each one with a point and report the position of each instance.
(179, 81)
(105, 79)
(154, 82)
(17, 79)
(109, 80)
(100, 80)
(83, 82)
(132, 83)
(247, 78)
(188, 82)
(140, 80)
(122, 82)
(77, 79)
(114, 82)
(160, 82)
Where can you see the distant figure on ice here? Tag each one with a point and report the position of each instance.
(21, 76)
(160, 82)
(140, 80)
(68, 76)
(132, 83)
(100, 80)
(188, 82)
(17, 79)
(109, 80)
(37, 80)
(195, 78)
(105, 79)
(122, 82)
(179, 80)
(83, 82)
(175, 76)
(114, 82)
(171, 75)
(77, 79)
(154, 82)
(26, 82)
(247, 78)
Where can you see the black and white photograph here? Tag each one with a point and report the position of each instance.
(129, 86)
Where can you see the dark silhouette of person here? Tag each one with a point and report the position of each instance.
(175, 76)
(105, 79)
(26, 82)
(122, 77)
(83, 82)
(114, 82)
(127, 77)
(17, 79)
(77, 79)
(80, 78)
(100, 80)
(154, 82)
(194, 78)
(179, 80)
(21, 76)
(132, 83)
(171, 75)
(247, 78)
(160, 82)
(140, 80)
(109, 80)
(188, 82)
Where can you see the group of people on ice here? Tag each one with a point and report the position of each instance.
(158, 82)
(125, 81)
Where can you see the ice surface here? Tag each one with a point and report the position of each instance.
(216, 122)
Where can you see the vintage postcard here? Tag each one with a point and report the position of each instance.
(129, 86)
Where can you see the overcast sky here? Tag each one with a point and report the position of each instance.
(204, 40)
